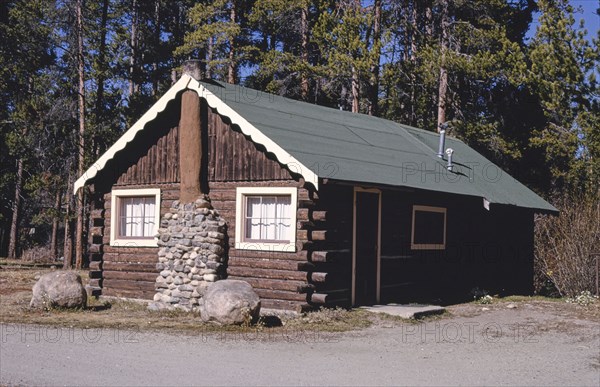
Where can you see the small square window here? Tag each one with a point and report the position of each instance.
(266, 218)
(135, 215)
(428, 228)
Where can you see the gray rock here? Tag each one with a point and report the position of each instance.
(186, 288)
(210, 277)
(230, 302)
(59, 289)
(159, 306)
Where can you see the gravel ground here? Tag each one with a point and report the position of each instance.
(532, 344)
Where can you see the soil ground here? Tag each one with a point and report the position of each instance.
(518, 340)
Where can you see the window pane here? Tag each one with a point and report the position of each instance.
(429, 228)
(137, 217)
(269, 206)
(268, 218)
(253, 211)
(149, 208)
(283, 218)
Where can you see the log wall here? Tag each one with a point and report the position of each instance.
(158, 165)
(232, 157)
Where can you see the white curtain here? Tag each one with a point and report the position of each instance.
(268, 218)
(253, 221)
(149, 217)
(283, 220)
(137, 217)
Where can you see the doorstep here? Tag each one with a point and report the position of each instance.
(413, 311)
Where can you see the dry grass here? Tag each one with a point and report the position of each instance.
(16, 282)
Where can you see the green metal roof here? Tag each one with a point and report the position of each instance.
(358, 148)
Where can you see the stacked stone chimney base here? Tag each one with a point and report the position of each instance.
(191, 254)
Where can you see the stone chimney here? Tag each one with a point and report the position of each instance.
(192, 235)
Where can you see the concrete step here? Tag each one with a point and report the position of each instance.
(407, 311)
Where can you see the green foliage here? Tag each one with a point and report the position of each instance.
(531, 106)
(218, 36)
(342, 33)
(562, 76)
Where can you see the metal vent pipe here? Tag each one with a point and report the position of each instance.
(440, 152)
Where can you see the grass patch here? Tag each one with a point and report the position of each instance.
(332, 320)
(15, 295)
(529, 299)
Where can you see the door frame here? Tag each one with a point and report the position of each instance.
(378, 269)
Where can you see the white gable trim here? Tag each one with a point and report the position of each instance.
(187, 82)
(121, 143)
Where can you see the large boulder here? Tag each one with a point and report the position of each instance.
(62, 289)
(230, 302)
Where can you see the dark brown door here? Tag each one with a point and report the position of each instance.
(367, 224)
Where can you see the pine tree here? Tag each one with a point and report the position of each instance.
(26, 54)
(341, 33)
(562, 77)
(283, 56)
(219, 37)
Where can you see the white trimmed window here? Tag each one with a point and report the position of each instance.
(266, 218)
(428, 228)
(135, 216)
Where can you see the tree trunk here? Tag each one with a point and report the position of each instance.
(16, 209)
(374, 81)
(355, 90)
(155, 75)
(443, 85)
(55, 223)
(81, 147)
(98, 145)
(68, 242)
(209, 58)
(429, 19)
(134, 51)
(304, 53)
(231, 68)
(413, 31)
(413, 59)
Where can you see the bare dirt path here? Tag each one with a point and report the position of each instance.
(535, 343)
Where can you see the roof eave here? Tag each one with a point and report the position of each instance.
(188, 82)
(130, 134)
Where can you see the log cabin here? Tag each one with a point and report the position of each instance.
(321, 207)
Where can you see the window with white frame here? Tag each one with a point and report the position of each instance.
(266, 218)
(428, 228)
(135, 216)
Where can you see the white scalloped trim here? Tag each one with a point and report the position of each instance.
(187, 82)
(129, 135)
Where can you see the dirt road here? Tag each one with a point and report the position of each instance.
(528, 345)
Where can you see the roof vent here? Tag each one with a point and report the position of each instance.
(440, 152)
(449, 152)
